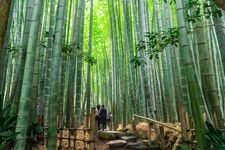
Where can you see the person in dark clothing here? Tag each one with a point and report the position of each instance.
(102, 117)
(97, 116)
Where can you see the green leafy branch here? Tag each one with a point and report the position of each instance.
(89, 59)
(171, 1)
(194, 6)
(67, 49)
(14, 49)
(156, 42)
(211, 10)
(215, 137)
(137, 61)
(43, 43)
(7, 128)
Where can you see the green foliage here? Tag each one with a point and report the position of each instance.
(141, 45)
(15, 49)
(215, 137)
(7, 139)
(46, 34)
(89, 59)
(137, 61)
(67, 49)
(101, 38)
(195, 7)
(193, 11)
(211, 10)
(12, 49)
(7, 128)
(43, 43)
(171, 37)
(33, 136)
(171, 1)
(156, 42)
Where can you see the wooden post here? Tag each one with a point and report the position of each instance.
(187, 121)
(93, 129)
(183, 122)
(60, 139)
(69, 134)
(187, 125)
(74, 140)
(149, 132)
(134, 125)
(60, 131)
(161, 131)
(85, 121)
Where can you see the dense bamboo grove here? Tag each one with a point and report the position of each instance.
(147, 57)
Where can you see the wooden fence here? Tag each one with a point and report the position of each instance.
(78, 138)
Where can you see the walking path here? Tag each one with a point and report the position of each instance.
(115, 140)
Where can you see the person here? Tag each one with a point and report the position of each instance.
(102, 117)
(97, 116)
(109, 120)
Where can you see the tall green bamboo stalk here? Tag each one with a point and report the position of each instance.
(24, 111)
(188, 71)
(88, 85)
(56, 57)
(79, 47)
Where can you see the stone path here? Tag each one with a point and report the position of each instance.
(115, 140)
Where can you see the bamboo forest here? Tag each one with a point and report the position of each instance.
(112, 75)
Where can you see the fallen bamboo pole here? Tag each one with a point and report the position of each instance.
(158, 122)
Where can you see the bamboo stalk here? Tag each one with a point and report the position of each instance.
(158, 122)
(93, 128)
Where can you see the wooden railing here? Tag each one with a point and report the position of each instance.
(161, 129)
(181, 131)
(157, 122)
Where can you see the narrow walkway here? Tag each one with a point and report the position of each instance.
(115, 140)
